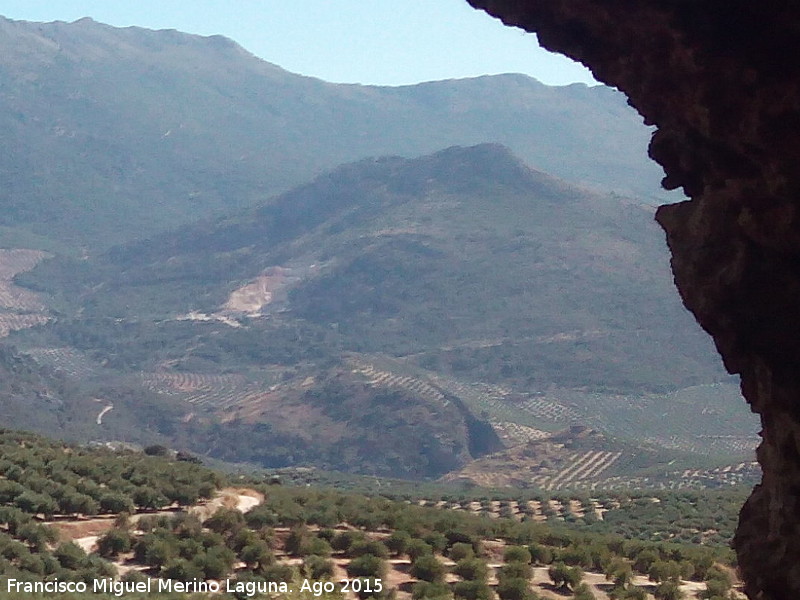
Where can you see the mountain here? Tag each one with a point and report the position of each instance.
(393, 315)
(37, 396)
(210, 246)
(117, 133)
(465, 260)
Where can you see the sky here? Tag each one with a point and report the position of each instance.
(379, 42)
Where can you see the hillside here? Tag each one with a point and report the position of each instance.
(381, 317)
(464, 262)
(78, 515)
(581, 458)
(121, 132)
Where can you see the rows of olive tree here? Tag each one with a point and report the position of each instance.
(49, 478)
(447, 552)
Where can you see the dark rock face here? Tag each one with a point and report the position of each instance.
(721, 81)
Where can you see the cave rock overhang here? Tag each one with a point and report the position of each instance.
(721, 83)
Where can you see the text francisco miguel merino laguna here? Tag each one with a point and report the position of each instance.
(164, 586)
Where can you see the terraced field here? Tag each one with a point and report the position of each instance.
(18, 260)
(709, 420)
(10, 321)
(582, 458)
(744, 473)
(570, 506)
(504, 405)
(399, 573)
(19, 308)
(207, 391)
(546, 509)
(514, 433)
(546, 468)
(378, 378)
(584, 467)
(68, 360)
(748, 473)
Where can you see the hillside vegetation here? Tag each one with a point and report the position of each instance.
(155, 529)
(121, 132)
(465, 261)
(42, 480)
(445, 315)
(350, 323)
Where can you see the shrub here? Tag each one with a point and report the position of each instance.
(156, 450)
(515, 570)
(425, 590)
(564, 576)
(69, 555)
(471, 569)
(116, 503)
(517, 554)
(277, 572)
(472, 590)
(216, 562)
(619, 572)
(181, 569)
(226, 520)
(460, 551)
(256, 555)
(417, 548)
(661, 571)
(37, 536)
(342, 541)
(297, 541)
(668, 590)
(515, 589)
(114, 542)
(540, 555)
(428, 568)
(397, 542)
(317, 567)
(147, 497)
(366, 546)
(583, 592)
(631, 593)
(367, 566)
(437, 541)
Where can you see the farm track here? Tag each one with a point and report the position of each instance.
(85, 532)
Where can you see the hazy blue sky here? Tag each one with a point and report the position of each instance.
(386, 42)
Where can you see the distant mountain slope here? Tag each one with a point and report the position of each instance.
(582, 458)
(397, 316)
(114, 133)
(40, 398)
(465, 261)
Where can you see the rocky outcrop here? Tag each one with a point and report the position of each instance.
(721, 81)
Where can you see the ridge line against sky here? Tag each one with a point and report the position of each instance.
(380, 42)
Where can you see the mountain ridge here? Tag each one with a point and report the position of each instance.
(392, 238)
(425, 301)
(152, 129)
(422, 300)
